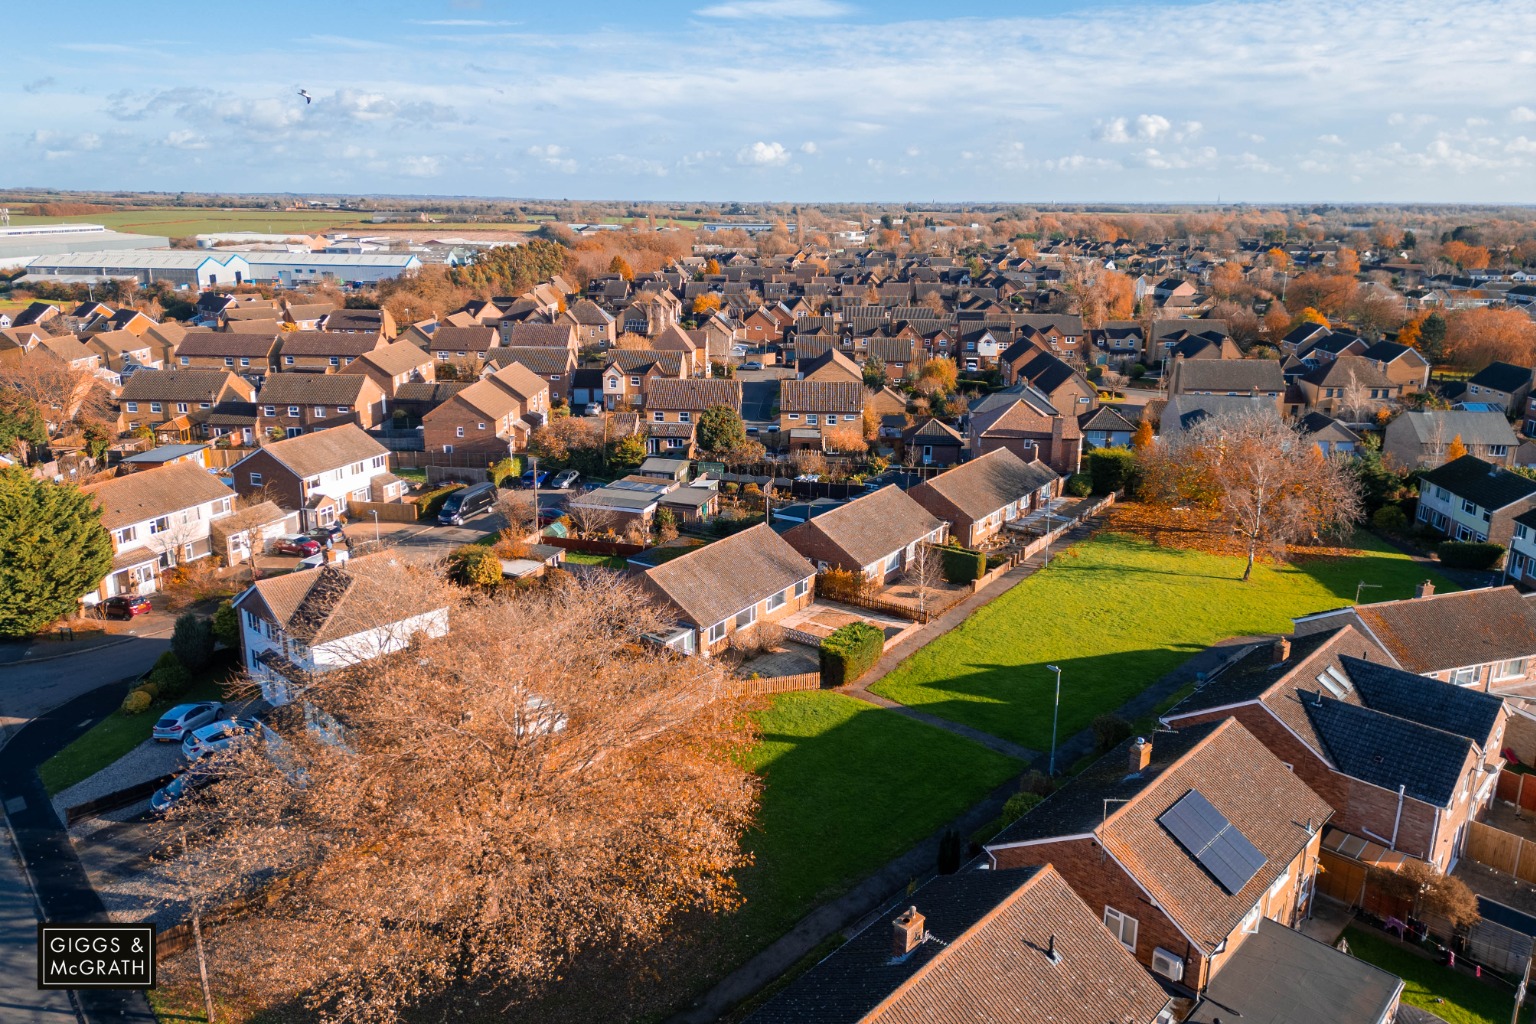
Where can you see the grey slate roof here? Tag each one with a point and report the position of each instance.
(1488, 485)
(1474, 427)
(1387, 751)
(1230, 375)
(1505, 377)
(1184, 412)
(1455, 709)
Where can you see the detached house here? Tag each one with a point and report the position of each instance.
(1405, 761)
(1419, 440)
(297, 626)
(749, 577)
(1402, 365)
(1470, 499)
(318, 474)
(1348, 384)
(1503, 384)
(1227, 377)
(1181, 844)
(1023, 421)
(876, 535)
(157, 519)
(808, 409)
(979, 498)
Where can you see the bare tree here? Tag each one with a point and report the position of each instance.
(519, 511)
(924, 571)
(62, 391)
(475, 817)
(1267, 482)
(591, 520)
(1356, 399)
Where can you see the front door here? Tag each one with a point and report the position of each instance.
(927, 454)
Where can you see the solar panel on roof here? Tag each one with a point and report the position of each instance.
(1212, 840)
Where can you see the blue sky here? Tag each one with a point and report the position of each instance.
(783, 100)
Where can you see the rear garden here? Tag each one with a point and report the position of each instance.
(1116, 613)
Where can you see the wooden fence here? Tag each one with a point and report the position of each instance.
(1518, 788)
(1345, 880)
(594, 547)
(880, 604)
(389, 511)
(781, 684)
(1500, 850)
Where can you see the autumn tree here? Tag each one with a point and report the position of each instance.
(705, 304)
(1476, 337)
(1466, 257)
(540, 791)
(1347, 261)
(1141, 440)
(1456, 450)
(1330, 294)
(57, 391)
(1264, 481)
(619, 265)
(938, 376)
(511, 269)
(1098, 294)
(845, 440)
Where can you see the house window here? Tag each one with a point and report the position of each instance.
(802, 588)
(1466, 676)
(1498, 450)
(1122, 927)
(159, 525)
(482, 426)
(554, 377)
(287, 360)
(613, 383)
(447, 449)
(255, 479)
(810, 419)
(293, 410)
(185, 361)
(1522, 531)
(1514, 669)
(203, 405)
(229, 360)
(181, 406)
(658, 417)
(253, 622)
(1468, 506)
(127, 534)
(269, 410)
(319, 412)
(133, 406)
(1251, 921)
(746, 617)
(154, 406)
(634, 382)
(794, 416)
(335, 361)
(244, 361)
(778, 600)
(717, 632)
(458, 431)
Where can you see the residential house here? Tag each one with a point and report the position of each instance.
(155, 398)
(1228, 377)
(1484, 639)
(1330, 436)
(978, 348)
(1469, 499)
(977, 946)
(1404, 760)
(317, 474)
(722, 588)
(829, 366)
(933, 442)
(809, 409)
(979, 498)
(595, 326)
(1206, 345)
(1403, 366)
(1168, 334)
(463, 346)
(297, 626)
(673, 408)
(124, 351)
(1349, 384)
(899, 358)
(324, 351)
(1060, 334)
(250, 355)
(1175, 293)
(251, 530)
(1419, 440)
(557, 366)
(1118, 341)
(492, 417)
(876, 535)
(629, 372)
(1025, 422)
(1106, 427)
(157, 520)
(307, 316)
(649, 313)
(529, 334)
(673, 338)
(395, 365)
(1503, 384)
(297, 403)
(1067, 390)
(362, 321)
(1181, 844)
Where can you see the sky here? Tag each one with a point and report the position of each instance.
(1032, 101)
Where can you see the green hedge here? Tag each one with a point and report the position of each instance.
(1111, 469)
(1457, 554)
(431, 503)
(506, 472)
(962, 565)
(1079, 485)
(850, 651)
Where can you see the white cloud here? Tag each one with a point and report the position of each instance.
(1330, 139)
(1183, 160)
(556, 157)
(1522, 115)
(776, 9)
(763, 154)
(1152, 127)
(1146, 128)
(184, 138)
(419, 166)
(808, 148)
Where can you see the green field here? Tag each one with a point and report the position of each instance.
(1462, 1000)
(1116, 614)
(847, 786)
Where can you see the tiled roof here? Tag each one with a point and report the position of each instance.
(1107, 418)
(1490, 486)
(1230, 375)
(834, 396)
(541, 360)
(462, 339)
(640, 360)
(933, 431)
(868, 528)
(327, 343)
(356, 320)
(668, 395)
(314, 389)
(1455, 709)
(323, 450)
(145, 495)
(1439, 426)
(395, 358)
(991, 962)
(1506, 377)
(539, 335)
(193, 385)
(1389, 752)
(720, 579)
(1185, 412)
(1046, 372)
(982, 486)
(430, 391)
(518, 381)
(1444, 631)
(1347, 370)
(227, 343)
(338, 601)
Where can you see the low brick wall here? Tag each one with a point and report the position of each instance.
(389, 511)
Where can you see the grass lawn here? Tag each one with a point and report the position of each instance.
(847, 786)
(1467, 1000)
(115, 735)
(1117, 613)
(589, 558)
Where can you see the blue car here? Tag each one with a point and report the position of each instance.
(530, 479)
(189, 781)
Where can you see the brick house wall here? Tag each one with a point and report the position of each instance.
(260, 473)
(791, 605)
(457, 427)
(311, 417)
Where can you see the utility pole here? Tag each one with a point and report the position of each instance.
(1055, 717)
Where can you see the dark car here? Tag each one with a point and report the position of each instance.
(185, 783)
(466, 502)
(297, 544)
(124, 607)
(329, 532)
(530, 479)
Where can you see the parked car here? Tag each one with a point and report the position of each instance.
(592, 409)
(751, 364)
(530, 479)
(124, 606)
(184, 718)
(296, 544)
(565, 479)
(188, 781)
(216, 736)
(328, 532)
(549, 514)
(466, 502)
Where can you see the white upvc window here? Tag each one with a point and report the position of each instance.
(778, 600)
(802, 588)
(1513, 669)
(746, 617)
(1122, 926)
(1466, 676)
(717, 631)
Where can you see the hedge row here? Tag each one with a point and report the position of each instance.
(431, 503)
(1458, 554)
(1111, 469)
(962, 565)
(850, 651)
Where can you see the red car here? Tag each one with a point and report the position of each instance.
(124, 607)
(297, 545)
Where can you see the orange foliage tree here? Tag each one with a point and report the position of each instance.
(1467, 257)
(1476, 337)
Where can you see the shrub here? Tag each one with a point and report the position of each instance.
(1019, 805)
(1037, 782)
(507, 471)
(1138, 370)
(192, 641)
(1109, 731)
(841, 584)
(226, 625)
(136, 703)
(150, 688)
(1390, 519)
(962, 565)
(1079, 485)
(431, 503)
(850, 651)
(475, 565)
(1458, 554)
(169, 675)
(1111, 469)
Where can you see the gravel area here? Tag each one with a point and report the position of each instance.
(148, 760)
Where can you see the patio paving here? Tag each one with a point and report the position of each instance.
(821, 618)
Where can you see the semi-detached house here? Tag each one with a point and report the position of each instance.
(1472, 500)
(981, 497)
(318, 474)
(876, 535)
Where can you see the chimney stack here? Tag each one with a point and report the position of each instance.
(1141, 754)
(1282, 650)
(1425, 589)
(907, 932)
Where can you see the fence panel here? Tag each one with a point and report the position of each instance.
(389, 511)
(1508, 788)
(1341, 879)
(1493, 847)
(781, 684)
(1527, 792)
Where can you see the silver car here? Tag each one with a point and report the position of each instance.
(182, 719)
(216, 736)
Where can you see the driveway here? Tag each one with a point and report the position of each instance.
(31, 688)
(759, 392)
(425, 542)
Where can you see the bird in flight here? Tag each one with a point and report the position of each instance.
(308, 99)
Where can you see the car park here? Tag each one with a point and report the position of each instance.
(565, 479)
(176, 723)
(124, 606)
(217, 736)
(296, 544)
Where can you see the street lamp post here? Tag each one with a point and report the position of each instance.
(1055, 716)
(375, 513)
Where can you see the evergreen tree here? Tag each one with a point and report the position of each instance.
(1432, 337)
(721, 430)
(53, 549)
